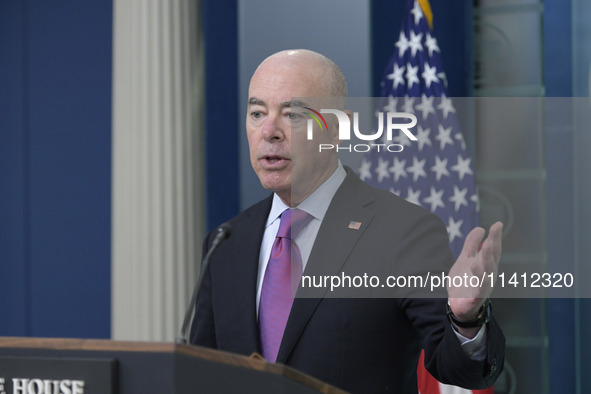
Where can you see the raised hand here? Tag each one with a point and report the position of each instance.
(475, 261)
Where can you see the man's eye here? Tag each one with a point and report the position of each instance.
(256, 114)
(294, 116)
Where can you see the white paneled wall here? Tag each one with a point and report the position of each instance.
(157, 199)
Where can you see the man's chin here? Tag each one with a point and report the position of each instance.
(278, 186)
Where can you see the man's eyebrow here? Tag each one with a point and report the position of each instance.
(285, 104)
(292, 103)
(255, 101)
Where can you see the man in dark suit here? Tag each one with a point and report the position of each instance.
(359, 343)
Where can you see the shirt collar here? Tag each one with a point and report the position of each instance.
(316, 204)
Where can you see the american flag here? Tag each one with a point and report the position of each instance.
(434, 172)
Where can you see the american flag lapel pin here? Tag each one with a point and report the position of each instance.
(354, 225)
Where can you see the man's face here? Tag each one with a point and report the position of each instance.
(283, 159)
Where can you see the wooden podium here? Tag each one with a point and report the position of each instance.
(42, 366)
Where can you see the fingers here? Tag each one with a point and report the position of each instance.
(475, 262)
(496, 232)
(472, 242)
(493, 245)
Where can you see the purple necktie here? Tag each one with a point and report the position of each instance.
(283, 274)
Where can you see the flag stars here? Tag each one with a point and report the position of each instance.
(443, 78)
(402, 44)
(440, 168)
(431, 44)
(408, 105)
(444, 136)
(460, 137)
(400, 139)
(398, 170)
(413, 196)
(411, 75)
(459, 198)
(417, 168)
(417, 12)
(453, 229)
(391, 107)
(382, 169)
(365, 170)
(435, 199)
(423, 137)
(429, 75)
(397, 76)
(414, 43)
(426, 106)
(462, 167)
(474, 198)
(446, 106)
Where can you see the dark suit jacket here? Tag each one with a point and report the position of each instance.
(358, 344)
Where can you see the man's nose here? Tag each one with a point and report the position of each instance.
(272, 129)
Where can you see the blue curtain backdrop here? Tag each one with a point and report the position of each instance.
(55, 168)
(222, 126)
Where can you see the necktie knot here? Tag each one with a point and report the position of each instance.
(292, 223)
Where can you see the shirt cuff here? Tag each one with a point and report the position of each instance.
(475, 348)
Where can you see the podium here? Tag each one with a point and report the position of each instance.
(73, 366)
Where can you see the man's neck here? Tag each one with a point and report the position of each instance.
(293, 199)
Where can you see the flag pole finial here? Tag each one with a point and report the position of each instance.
(426, 7)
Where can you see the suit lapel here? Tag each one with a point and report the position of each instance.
(336, 238)
(242, 312)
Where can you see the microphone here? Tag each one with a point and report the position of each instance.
(223, 232)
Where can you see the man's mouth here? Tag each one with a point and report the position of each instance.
(272, 162)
